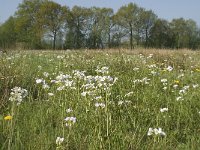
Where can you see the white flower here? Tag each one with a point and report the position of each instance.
(159, 131)
(50, 94)
(156, 131)
(83, 93)
(59, 140)
(120, 102)
(169, 68)
(39, 81)
(165, 88)
(179, 98)
(135, 69)
(70, 121)
(163, 80)
(98, 97)
(46, 74)
(195, 85)
(45, 86)
(60, 88)
(175, 86)
(69, 110)
(128, 94)
(150, 131)
(163, 109)
(39, 67)
(17, 94)
(102, 105)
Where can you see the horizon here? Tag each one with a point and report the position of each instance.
(161, 9)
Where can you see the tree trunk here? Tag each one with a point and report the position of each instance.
(131, 37)
(54, 41)
(109, 38)
(146, 38)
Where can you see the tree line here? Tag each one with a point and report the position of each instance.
(45, 24)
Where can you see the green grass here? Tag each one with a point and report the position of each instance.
(124, 121)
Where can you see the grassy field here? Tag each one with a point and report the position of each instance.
(94, 100)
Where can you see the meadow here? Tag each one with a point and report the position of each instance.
(100, 99)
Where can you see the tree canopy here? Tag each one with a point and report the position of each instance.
(44, 24)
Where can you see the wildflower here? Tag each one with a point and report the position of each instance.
(8, 117)
(150, 131)
(176, 81)
(98, 97)
(69, 110)
(175, 86)
(102, 105)
(128, 94)
(198, 70)
(18, 94)
(163, 80)
(39, 67)
(70, 121)
(159, 132)
(60, 88)
(120, 102)
(50, 94)
(45, 86)
(165, 88)
(39, 81)
(156, 131)
(59, 140)
(169, 68)
(163, 109)
(83, 93)
(179, 98)
(46, 74)
(136, 69)
(103, 70)
(195, 86)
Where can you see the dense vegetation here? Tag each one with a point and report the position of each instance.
(100, 100)
(44, 24)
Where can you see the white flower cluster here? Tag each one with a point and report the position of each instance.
(103, 70)
(145, 80)
(100, 105)
(17, 94)
(70, 121)
(92, 84)
(164, 82)
(156, 131)
(59, 141)
(163, 110)
(169, 68)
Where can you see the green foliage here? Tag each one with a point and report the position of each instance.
(45, 24)
(8, 34)
(51, 18)
(28, 32)
(126, 17)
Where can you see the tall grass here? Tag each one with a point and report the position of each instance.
(100, 100)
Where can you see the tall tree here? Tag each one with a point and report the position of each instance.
(52, 19)
(8, 34)
(161, 35)
(77, 27)
(126, 17)
(147, 20)
(26, 23)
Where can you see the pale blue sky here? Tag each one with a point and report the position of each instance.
(167, 9)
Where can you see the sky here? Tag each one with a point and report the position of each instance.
(165, 9)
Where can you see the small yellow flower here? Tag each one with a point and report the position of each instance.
(198, 70)
(8, 117)
(176, 81)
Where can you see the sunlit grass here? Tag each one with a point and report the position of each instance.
(111, 99)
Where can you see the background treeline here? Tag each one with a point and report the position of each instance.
(44, 24)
